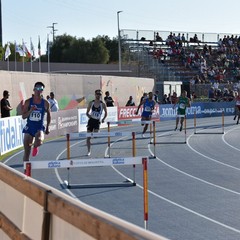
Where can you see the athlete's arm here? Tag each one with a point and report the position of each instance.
(26, 111)
(141, 103)
(48, 111)
(88, 110)
(105, 112)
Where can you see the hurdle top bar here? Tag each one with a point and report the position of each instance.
(97, 162)
(99, 134)
(137, 121)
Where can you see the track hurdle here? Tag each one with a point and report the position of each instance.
(100, 134)
(222, 124)
(53, 164)
(97, 162)
(152, 124)
(154, 142)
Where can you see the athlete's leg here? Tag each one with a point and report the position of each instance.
(181, 122)
(88, 142)
(177, 121)
(145, 128)
(27, 143)
(39, 137)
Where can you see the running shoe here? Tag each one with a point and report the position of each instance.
(143, 136)
(180, 128)
(89, 153)
(175, 129)
(35, 151)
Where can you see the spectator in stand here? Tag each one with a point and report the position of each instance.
(155, 97)
(108, 99)
(174, 98)
(5, 105)
(193, 96)
(158, 38)
(165, 99)
(211, 94)
(130, 102)
(53, 103)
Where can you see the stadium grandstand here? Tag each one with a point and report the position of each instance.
(198, 60)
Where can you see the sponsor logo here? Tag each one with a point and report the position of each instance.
(11, 136)
(118, 161)
(54, 164)
(118, 134)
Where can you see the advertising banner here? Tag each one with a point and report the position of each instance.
(128, 113)
(11, 136)
(209, 109)
(63, 122)
(83, 119)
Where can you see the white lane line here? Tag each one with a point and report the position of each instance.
(58, 175)
(182, 207)
(178, 205)
(209, 158)
(223, 138)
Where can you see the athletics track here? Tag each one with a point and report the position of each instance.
(194, 187)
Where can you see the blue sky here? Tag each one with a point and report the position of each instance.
(25, 19)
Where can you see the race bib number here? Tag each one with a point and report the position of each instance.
(95, 115)
(182, 105)
(35, 116)
(148, 109)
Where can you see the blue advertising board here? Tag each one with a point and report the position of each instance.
(209, 109)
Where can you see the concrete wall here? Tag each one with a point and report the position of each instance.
(72, 90)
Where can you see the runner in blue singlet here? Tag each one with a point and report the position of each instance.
(148, 107)
(34, 110)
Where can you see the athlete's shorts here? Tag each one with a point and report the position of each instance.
(93, 124)
(33, 130)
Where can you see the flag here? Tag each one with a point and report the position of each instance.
(48, 46)
(39, 46)
(19, 50)
(32, 48)
(7, 52)
(27, 53)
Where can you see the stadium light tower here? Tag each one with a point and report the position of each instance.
(1, 23)
(119, 45)
(53, 30)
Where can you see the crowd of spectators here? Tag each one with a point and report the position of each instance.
(209, 62)
(206, 63)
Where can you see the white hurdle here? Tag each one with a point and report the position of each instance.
(100, 134)
(152, 124)
(205, 112)
(119, 161)
(97, 162)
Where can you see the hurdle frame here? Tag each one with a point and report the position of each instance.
(152, 129)
(183, 130)
(96, 162)
(222, 124)
(105, 134)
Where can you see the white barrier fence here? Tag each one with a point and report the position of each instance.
(33, 210)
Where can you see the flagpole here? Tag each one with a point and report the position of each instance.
(31, 52)
(15, 56)
(48, 53)
(23, 56)
(8, 63)
(39, 53)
